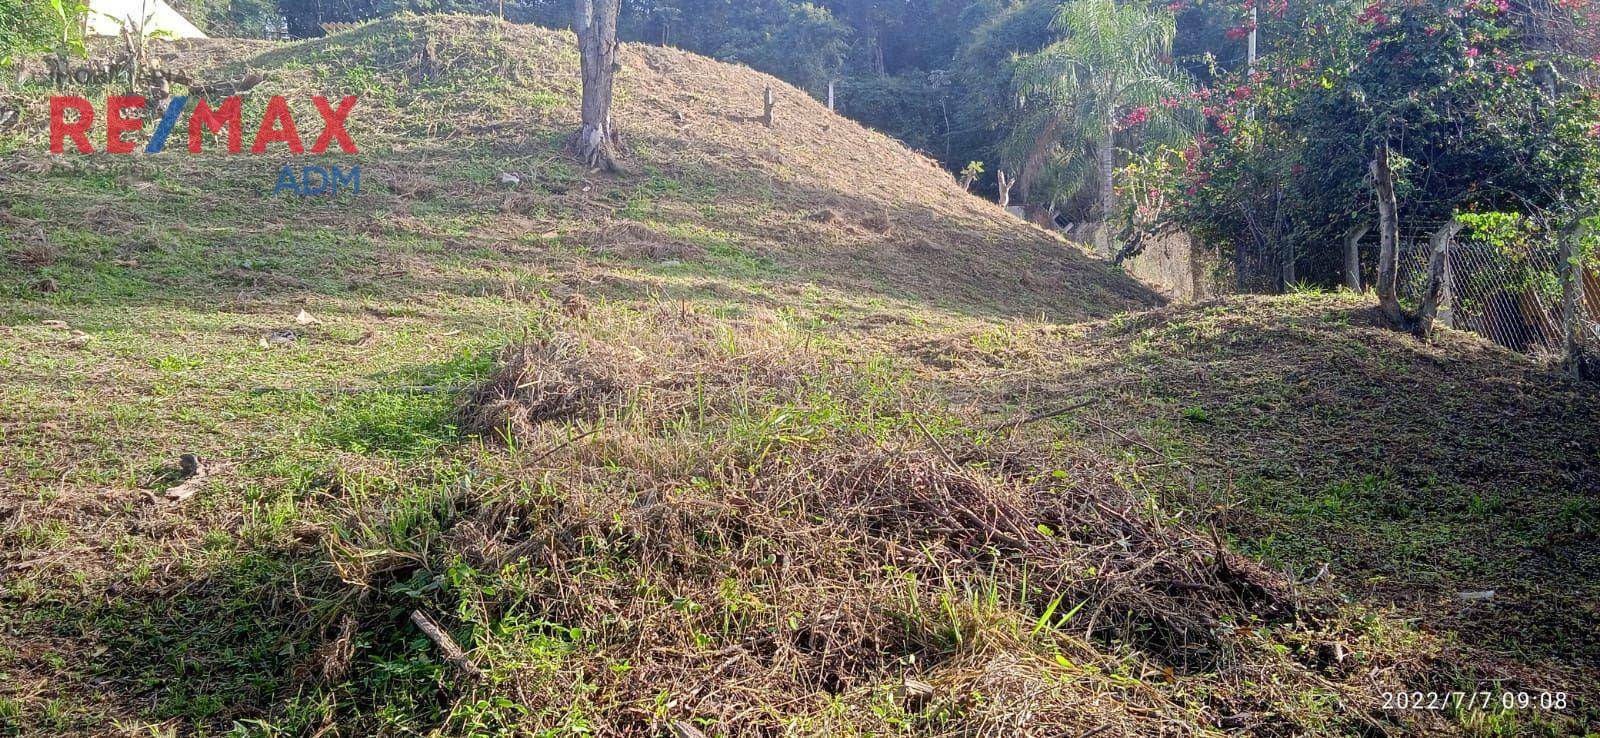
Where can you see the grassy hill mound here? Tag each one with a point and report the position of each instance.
(778, 433)
(447, 106)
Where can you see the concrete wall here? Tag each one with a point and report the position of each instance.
(1176, 266)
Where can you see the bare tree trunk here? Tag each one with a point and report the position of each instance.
(830, 94)
(769, 101)
(1286, 273)
(1438, 265)
(1108, 192)
(1389, 234)
(596, 24)
(1240, 277)
(1352, 255)
(1006, 183)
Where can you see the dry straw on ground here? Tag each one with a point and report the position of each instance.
(556, 379)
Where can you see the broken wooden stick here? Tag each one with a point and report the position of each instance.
(769, 101)
(447, 645)
(416, 389)
(223, 89)
(1044, 415)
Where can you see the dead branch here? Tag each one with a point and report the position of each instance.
(447, 645)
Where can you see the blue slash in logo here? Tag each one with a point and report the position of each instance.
(158, 140)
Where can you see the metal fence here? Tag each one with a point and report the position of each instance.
(1513, 295)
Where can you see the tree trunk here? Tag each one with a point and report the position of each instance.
(1240, 277)
(1005, 184)
(1352, 255)
(1108, 192)
(1250, 51)
(1389, 234)
(596, 24)
(1438, 265)
(1286, 273)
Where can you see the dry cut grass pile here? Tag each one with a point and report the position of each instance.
(713, 532)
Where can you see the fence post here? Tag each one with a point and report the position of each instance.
(1447, 291)
(1571, 299)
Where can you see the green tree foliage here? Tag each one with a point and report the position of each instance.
(1477, 117)
(799, 41)
(36, 26)
(985, 73)
(234, 18)
(1108, 77)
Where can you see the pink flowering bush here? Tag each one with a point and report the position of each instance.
(1451, 85)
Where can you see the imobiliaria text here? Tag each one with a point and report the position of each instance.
(277, 127)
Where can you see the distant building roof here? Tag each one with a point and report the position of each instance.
(108, 17)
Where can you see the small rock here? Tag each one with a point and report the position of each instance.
(915, 691)
(190, 465)
(1234, 722)
(305, 318)
(1487, 594)
(682, 729)
(281, 337)
(575, 306)
(194, 472)
(507, 178)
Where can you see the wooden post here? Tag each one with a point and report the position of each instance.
(769, 100)
(1438, 271)
(830, 95)
(1447, 293)
(1571, 300)
(1352, 255)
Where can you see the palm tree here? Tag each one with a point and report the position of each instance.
(1112, 67)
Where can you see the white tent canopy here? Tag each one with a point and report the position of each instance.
(108, 17)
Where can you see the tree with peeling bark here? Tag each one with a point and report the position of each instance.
(1383, 186)
(1388, 233)
(596, 24)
